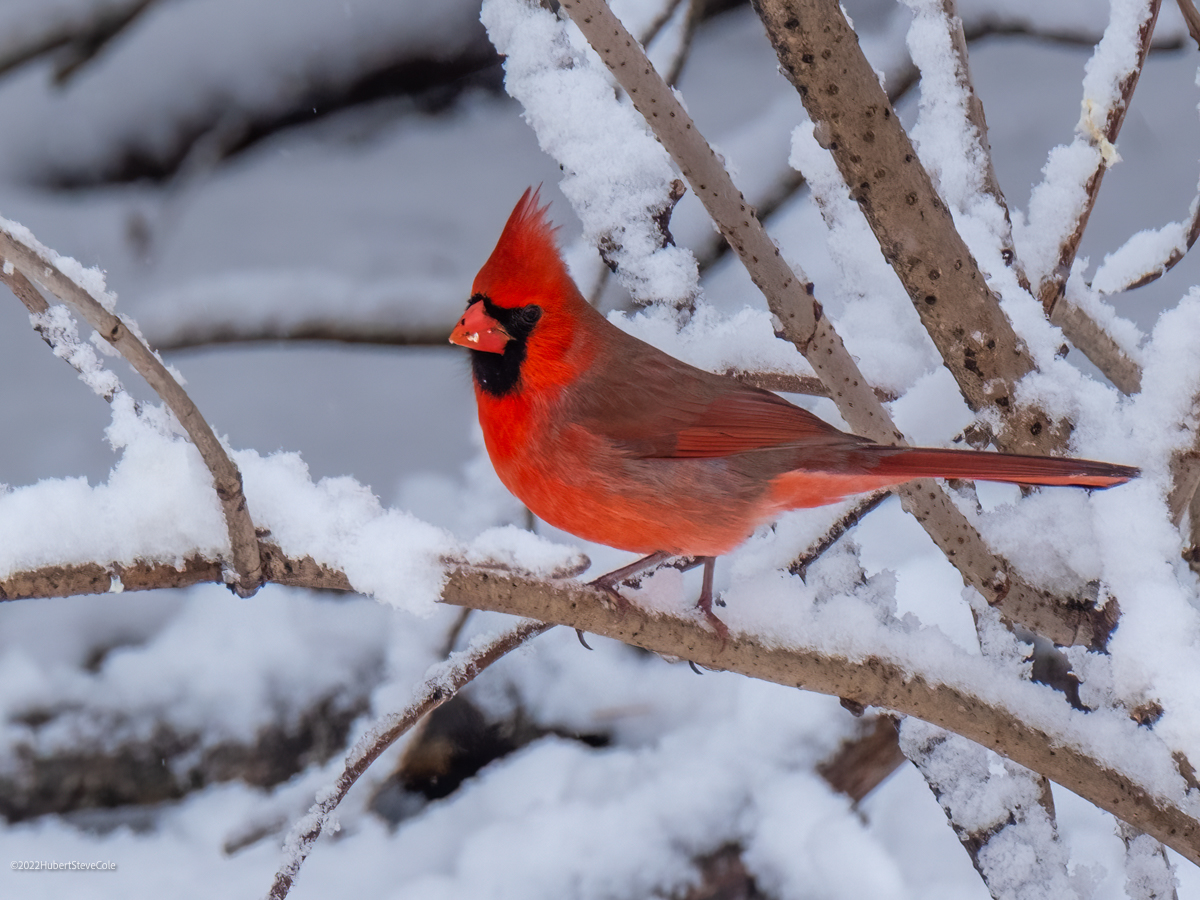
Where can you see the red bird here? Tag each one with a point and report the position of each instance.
(616, 442)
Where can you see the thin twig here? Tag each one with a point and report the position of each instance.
(1192, 16)
(80, 41)
(227, 480)
(836, 531)
(1098, 346)
(1104, 137)
(441, 683)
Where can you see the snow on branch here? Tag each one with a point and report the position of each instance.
(1148, 255)
(617, 177)
(830, 648)
(1060, 206)
(84, 290)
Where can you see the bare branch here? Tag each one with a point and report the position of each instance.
(1097, 345)
(1103, 137)
(862, 763)
(439, 686)
(1192, 16)
(227, 480)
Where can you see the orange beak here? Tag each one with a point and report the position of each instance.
(476, 330)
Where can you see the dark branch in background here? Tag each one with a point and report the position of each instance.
(1052, 288)
(227, 480)
(74, 44)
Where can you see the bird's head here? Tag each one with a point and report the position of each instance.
(520, 295)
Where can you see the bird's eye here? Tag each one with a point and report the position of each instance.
(529, 315)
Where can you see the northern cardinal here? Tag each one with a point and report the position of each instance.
(608, 438)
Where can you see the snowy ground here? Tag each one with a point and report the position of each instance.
(388, 207)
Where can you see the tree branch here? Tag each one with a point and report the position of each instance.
(965, 701)
(40, 266)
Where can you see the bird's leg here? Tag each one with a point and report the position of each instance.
(704, 604)
(609, 582)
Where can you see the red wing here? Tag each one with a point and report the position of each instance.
(742, 422)
(664, 409)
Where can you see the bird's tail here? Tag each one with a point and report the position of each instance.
(905, 462)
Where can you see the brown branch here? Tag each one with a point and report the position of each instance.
(1053, 286)
(863, 762)
(802, 321)
(1098, 346)
(819, 53)
(227, 480)
(1192, 16)
(836, 531)
(870, 681)
(867, 680)
(450, 677)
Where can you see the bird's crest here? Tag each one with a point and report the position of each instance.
(526, 266)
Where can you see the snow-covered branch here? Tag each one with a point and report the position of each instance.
(20, 249)
(1101, 756)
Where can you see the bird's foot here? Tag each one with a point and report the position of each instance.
(705, 602)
